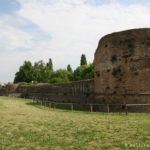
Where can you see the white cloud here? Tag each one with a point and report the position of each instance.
(74, 26)
(11, 37)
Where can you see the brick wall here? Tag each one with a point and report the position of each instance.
(122, 67)
(75, 92)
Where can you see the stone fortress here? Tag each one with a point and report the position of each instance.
(122, 75)
(122, 67)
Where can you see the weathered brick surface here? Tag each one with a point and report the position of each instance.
(74, 92)
(122, 67)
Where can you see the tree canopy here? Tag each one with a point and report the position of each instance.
(25, 73)
(83, 60)
(50, 64)
(41, 72)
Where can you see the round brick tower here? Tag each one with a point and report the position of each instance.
(122, 67)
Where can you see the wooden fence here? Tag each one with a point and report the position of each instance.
(126, 108)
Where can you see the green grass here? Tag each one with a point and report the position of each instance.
(24, 126)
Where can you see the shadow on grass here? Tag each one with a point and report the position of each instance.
(63, 108)
(68, 109)
(46, 107)
(38, 105)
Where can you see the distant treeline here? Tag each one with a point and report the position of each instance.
(41, 72)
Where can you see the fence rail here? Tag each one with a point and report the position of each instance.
(90, 107)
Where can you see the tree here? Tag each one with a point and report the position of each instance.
(70, 71)
(50, 64)
(83, 60)
(83, 72)
(41, 72)
(37, 73)
(88, 72)
(69, 68)
(25, 73)
(77, 73)
(60, 76)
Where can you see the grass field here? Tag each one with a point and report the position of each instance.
(24, 126)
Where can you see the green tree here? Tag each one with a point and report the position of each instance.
(83, 60)
(77, 74)
(59, 76)
(70, 71)
(88, 72)
(41, 72)
(50, 64)
(84, 72)
(69, 68)
(25, 73)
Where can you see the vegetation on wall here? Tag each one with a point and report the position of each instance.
(41, 72)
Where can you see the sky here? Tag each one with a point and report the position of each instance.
(61, 29)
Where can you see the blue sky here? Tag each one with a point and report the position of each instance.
(61, 29)
(129, 2)
(11, 6)
(8, 6)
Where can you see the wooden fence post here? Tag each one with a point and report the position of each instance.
(108, 108)
(72, 107)
(126, 109)
(91, 107)
(49, 105)
(54, 106)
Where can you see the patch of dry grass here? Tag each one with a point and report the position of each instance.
(32, 127)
